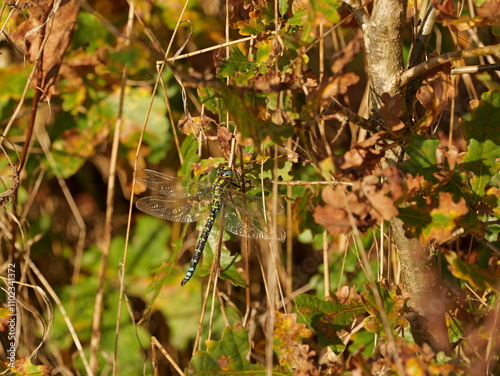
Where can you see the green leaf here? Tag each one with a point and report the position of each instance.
(252, 29)
(89, 33)
(298, 18)
(283, 7)
(415, 217)
(264, 52)
(484, 123)
(80, 299)
(237, 62)
(212, 100)
(158, 135)
(422, 157)
(481, 159)
(225, 357)
(244, 108)
(444, 219)
(189, 151)
(327, 9)
(328, 317)
(24, 367)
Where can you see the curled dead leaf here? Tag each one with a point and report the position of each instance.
(392, 108)
(361, 159)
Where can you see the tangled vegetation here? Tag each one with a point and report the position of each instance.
(377, 123)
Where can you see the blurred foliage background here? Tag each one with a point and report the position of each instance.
(182, 87)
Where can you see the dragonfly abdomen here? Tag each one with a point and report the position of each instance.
(200, 245)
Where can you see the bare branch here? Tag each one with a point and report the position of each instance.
(359, 12)
(420, 69)
(342, 113)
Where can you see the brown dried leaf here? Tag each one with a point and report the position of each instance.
(414, 184)
(334, 216)
(453, 156)
(445, 9)
(361, 159)
(57, 31)
(334, 220)
(224, 137)
(377, 195)
(339, 85)
(391, 110)
(434, 96)
(346, 293)
(396, 181)
(240, 13)
(194, 125)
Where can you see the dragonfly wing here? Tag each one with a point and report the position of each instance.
(173, 209)
(249, 221)
(256, 203)
(173, 186)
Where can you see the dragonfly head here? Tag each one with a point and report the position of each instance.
(224, 172)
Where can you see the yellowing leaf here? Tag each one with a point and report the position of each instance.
(444, 218)
(470, 273)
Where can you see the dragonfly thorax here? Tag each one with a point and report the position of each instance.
(224, 172)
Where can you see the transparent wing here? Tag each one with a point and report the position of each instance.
(245, 216)
(257, 203)
(173, 209)
(172, 186)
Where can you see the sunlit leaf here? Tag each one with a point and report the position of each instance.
(24, 367)
(283, 7)
(5, 315)
(288, 336)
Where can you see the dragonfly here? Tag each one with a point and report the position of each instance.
(184, 200)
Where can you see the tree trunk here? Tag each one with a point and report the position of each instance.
(383, 31)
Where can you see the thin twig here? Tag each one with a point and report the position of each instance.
(208, 49)
(155, 342)
(307, 182)
(475, 69)
(110, 198)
